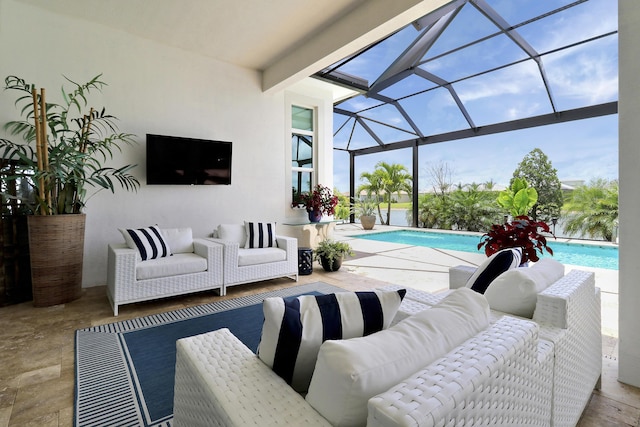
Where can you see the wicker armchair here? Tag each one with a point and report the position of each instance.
(242, 265)
(501, 376)
(568, 314)
(124, 286)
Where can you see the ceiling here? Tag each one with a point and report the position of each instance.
(248, 33)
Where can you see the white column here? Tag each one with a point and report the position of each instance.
(629, 152)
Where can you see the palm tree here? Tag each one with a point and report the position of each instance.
(472, 209)
(395, 178)
(592, 209)
(373, 187)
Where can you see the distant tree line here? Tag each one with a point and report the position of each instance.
(590, 210)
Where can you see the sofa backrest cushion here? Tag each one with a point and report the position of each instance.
(180, 239)
(260, 234)
(492, 267)
(516, 291)
(350, 372)
(149, 242)
(295, 327)
(232, 233)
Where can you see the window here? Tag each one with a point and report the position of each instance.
(17, 189)
(302, 151)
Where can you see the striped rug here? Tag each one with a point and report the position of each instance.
(125, 370)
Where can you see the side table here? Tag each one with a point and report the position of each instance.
(305, 261)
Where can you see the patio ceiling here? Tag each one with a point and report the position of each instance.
(476, 67)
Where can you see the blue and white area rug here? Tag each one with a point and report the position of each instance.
(125, 370)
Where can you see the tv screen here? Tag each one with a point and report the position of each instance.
(175, 160)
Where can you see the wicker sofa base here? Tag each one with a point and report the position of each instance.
(124, 288)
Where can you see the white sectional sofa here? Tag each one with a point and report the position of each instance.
(516, 372)
(192, 265)
(243, 264)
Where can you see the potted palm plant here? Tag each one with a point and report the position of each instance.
(365, 209)
(330, 254)
(60, 156)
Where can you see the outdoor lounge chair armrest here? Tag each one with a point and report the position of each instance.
(289, 244)
(565, 302)
(210, 250)
(504, 363)
(219, 381)
(121, 262)
(459, 275)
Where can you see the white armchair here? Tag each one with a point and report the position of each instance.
(195, 265)
(244, 265)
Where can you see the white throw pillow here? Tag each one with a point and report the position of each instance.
(516, 291)
(492, 267)
(295, 327)
(232, 233)
(180, 239)
(260, 234)
(350, 372)
(148, 241)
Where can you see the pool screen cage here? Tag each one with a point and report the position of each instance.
(419, 85)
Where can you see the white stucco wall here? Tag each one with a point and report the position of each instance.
(155, 89)
(629, 111)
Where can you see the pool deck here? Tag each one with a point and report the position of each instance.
(428, 268)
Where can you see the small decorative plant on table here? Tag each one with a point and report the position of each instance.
(319, 202)
(522, 231)
(330, 254)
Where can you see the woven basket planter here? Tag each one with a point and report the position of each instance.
(56, 248)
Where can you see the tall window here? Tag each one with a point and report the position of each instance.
(302, 151)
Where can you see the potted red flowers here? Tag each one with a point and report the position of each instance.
(523, 232)
(319, 202)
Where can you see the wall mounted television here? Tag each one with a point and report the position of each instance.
(175, 160)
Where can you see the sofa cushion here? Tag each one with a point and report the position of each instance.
(516, 291)
(148, 241)
(170, 266)
(260, 234)
(295, 327)
(492, 267)
(260, 256)
(350, 372)
(180, 239)
(232, 233)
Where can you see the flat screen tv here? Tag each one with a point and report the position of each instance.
(175, 160)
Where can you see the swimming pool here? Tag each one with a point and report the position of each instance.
(588, 255)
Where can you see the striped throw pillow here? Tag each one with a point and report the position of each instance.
(260, 234)
(148, 241)
(492, 267)
(295, 327)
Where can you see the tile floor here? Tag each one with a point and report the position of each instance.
(37, 344)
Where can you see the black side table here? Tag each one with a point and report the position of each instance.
(305, 261)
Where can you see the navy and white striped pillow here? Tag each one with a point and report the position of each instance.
(260, 234)
(149, 242)
(295, 327)
(492, 267)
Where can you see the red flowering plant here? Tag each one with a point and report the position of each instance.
(523, 232)
(321, 199)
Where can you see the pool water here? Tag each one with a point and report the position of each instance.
(591, 255)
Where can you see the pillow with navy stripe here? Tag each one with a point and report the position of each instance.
(149, 242)
(260, 234)
(295, 327)
(492, 267)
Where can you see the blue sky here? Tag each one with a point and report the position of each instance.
(581, 76)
